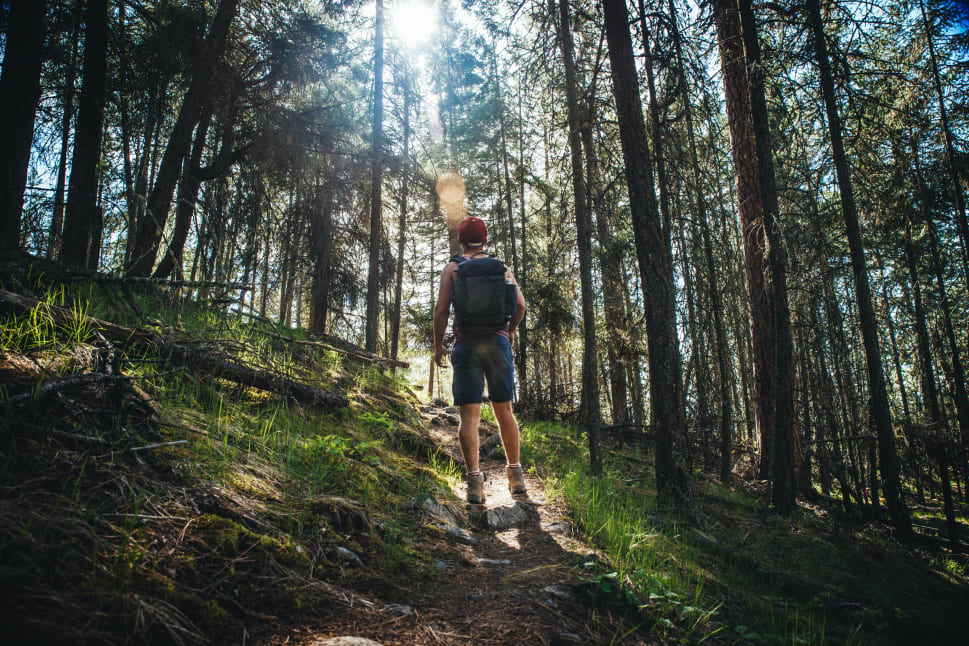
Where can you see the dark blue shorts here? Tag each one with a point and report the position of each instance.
(480, 359)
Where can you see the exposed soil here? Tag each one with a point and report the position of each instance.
(524, 585)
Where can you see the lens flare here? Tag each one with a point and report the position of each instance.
(450, 193)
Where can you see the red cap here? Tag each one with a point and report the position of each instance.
(472, 230)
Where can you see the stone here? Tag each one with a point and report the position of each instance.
(438, 421)
(348, 555)
(402, 610)
(501, 518)
(439, 403)
(490, 443)
(460, 535)
(429, 505)
(560, 592)
(453, 420)
(494, 561)
(346, 641)
(427, 409)
(442, 566)
(453, 410)
(344, 515)
(561, 528)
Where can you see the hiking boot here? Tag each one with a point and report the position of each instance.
(516, 480)
(476, 489)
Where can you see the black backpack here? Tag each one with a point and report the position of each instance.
(482, 301)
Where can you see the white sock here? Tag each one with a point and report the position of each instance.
(474, 474)
(516, 465)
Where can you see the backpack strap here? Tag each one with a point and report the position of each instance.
(461, 258)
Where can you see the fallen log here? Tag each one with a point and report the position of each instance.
(199, 359)
(343, 348)
(331, 343)
(50, 387)
(24, 264)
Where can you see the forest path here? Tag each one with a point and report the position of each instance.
(525, 584)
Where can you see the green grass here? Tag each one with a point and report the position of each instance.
(256, 466)
(803, 580)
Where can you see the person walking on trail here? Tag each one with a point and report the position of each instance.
(488, 306)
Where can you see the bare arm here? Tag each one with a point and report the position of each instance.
(442, 311)
(519, 314)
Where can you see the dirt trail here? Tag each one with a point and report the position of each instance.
(522, 585)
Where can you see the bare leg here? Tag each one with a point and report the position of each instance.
(508, 426)
(468, 435)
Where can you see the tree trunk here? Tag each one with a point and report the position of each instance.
(785, 440)
(878, 402)
(522, 354)
(930, 396)
(20, 87)
(713, 278)
(958, 374)
(82, 196)
(674, 482)
(610, 262)
(583, 221)
(321, 241)
(376, 179)
(733, 66)
(402, 229)
(199, 93)
(185, 199)
(138, 199)
(57, 218)
(896, 360)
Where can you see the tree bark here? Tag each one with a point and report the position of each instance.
(67, 117)
(185, 199)
(583, 221)
(523, 348)
(402, 228)
(930, 396)
(20, 87)
(199, 93)
(82, 220)
(723, 366)
(376, 180)
(674, 482)
(878, 403)
(610, 262)
(784, 431)
(733, 67)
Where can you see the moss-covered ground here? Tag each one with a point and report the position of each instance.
(170, 506)
(233, 521)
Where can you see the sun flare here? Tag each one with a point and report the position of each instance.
(414, 21)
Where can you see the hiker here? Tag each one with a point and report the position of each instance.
(488, 306)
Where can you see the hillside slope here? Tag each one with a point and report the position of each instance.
(147, 496)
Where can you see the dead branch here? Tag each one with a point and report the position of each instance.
(78, 438)
(55, 385)
(148, 447)
(199, 359)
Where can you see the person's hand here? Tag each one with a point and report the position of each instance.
(439, 354)
(511, 337)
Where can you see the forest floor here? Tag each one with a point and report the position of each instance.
(149, 498)
(520, 584)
